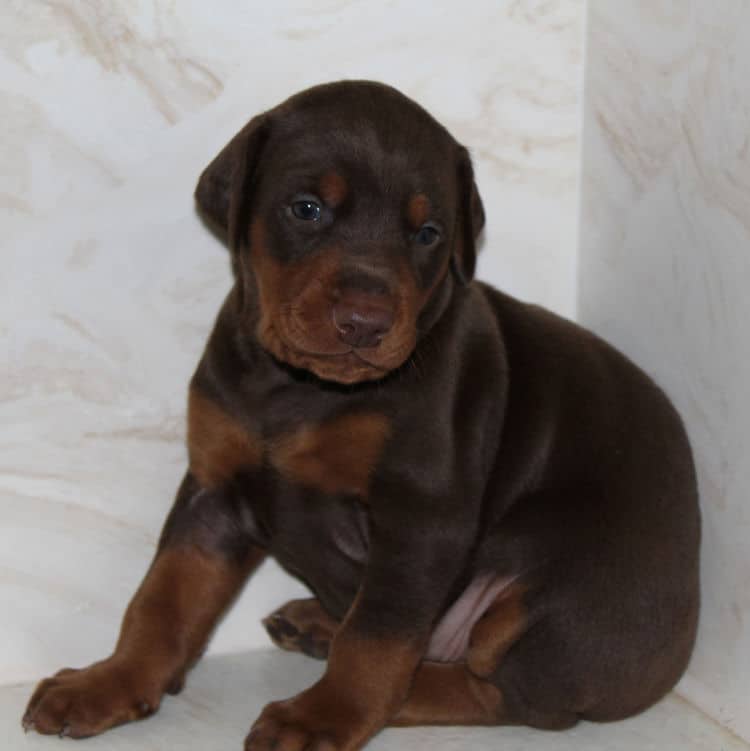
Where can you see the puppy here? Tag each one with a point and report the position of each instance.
(496, 511)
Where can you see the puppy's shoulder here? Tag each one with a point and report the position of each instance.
(548, 354)
(532, 332)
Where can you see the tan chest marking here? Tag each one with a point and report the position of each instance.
(218, 446)
(336, 456)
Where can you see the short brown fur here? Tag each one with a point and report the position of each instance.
(496, 631)
(337, 456)
(302, 626)
(449, 694)
(333, 188)
(366, 681)
(218, 447)
(418, 210)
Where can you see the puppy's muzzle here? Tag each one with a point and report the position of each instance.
(363, 311)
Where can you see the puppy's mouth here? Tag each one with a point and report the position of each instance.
(349, 366)
(352, 353)
(346, 365)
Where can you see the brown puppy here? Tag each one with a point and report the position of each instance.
(496, 511)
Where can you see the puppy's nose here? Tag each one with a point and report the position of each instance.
(362, 322)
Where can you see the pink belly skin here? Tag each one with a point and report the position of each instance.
(450, 639)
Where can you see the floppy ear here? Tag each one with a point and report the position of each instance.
(470, 221)
(223, 189)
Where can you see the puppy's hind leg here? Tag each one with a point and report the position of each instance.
(302, 626)
(467, 692)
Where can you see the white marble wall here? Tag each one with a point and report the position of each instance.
(665, 268)
(108, 283)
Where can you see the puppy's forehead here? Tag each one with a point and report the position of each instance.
(365, 153)
(363, 109)
(354, 126)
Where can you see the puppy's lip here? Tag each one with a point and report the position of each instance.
(367, 362)
(348, 366)
(330, 355)
(336, 355)
(312, 353)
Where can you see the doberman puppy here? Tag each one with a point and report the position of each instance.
(496, 511)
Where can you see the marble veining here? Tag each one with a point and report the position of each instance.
(664, 268)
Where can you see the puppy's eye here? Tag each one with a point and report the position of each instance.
(427, 235)
(307, 210)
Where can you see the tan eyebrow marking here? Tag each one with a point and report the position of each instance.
(418, 210)
(333, 188)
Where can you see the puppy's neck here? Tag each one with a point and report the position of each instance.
(436, 306)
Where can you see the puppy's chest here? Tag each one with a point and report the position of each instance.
(323, 540)
(305, 482)
(333, 455)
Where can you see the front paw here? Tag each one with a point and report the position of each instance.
(80, 703)
(309, 722)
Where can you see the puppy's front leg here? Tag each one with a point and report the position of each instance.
(190, 583)
(374, 655)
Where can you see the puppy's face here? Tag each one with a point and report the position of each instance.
(346, 208)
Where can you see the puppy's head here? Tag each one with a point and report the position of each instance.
(349, 212)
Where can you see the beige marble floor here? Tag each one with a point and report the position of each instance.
(226, 692)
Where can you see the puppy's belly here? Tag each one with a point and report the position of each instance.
(450, 639)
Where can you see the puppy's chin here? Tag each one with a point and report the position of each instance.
(346, 368)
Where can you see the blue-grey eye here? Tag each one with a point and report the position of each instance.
(308, 211)
(427, 235)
